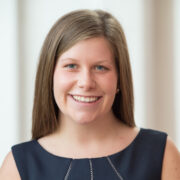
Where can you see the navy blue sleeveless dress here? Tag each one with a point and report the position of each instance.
(141, 160)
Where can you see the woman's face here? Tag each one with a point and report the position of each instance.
(85, 81)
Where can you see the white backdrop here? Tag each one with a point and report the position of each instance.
(155, 66)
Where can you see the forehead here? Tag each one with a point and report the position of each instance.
(93, 48)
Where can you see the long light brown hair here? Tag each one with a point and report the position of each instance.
(66, 32)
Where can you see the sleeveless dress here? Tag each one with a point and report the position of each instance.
(141, 160)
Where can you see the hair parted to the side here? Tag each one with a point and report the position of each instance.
(67, 31)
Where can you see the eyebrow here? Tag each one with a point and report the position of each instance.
(65, 59)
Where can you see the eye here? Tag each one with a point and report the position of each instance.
(71, 66)
(101, 68)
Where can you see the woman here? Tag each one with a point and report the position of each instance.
(83, 122)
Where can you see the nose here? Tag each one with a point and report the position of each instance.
(86, 80)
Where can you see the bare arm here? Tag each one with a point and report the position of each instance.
(171, 162)
(9, 170)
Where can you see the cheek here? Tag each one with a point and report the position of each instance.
(62, 82)
(109, 83)
(61, 79)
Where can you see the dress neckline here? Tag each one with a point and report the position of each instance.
(46, 152)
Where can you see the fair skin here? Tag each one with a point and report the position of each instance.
(89, 128)
(84, 125)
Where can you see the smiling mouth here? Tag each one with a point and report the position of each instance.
(84, 99)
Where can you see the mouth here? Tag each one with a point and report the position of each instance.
(86, 99)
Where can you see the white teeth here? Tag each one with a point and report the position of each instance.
(85, 99)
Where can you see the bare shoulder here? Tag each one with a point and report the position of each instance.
(171, 162)
(8, 169)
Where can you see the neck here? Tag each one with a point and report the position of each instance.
(96, 132)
